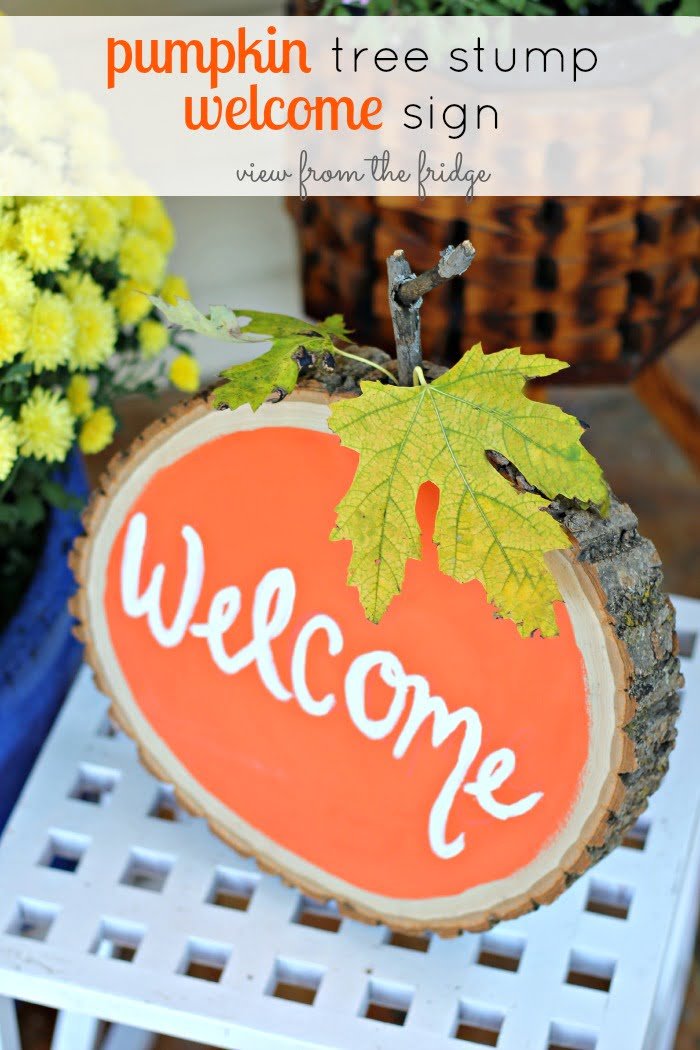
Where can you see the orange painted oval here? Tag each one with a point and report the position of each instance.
(263, 499)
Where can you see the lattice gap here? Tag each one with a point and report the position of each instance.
(118, 939)
(609, 898)
(64, 851)
(590, 970)
(32, 919)
(637, 836)
(107, 728)
(147, 869)
(318, 914)
(687, 640)
(501, 950)
(232, 889)
(479, 1023)
(94, 784)
(566, 1036)
(413, 942)
(295, 980)
(387, 1001)
(204, 960)
(165, 805)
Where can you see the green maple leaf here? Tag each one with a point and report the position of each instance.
(485, 529)
(271, 374)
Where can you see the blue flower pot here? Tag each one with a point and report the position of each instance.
(39, 656)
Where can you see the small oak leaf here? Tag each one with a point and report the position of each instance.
(220, 323)
(272, 374)
(485, 529)
(273, 325)
(335, 325)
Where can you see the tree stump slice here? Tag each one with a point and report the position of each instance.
(622, 621)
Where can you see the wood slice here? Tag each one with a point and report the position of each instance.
(334, 776)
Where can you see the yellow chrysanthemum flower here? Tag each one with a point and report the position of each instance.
(96, 334)
(102, 229)
(9, 445)
(79, 398)
(153, 337)
(184, 373)
(164, 233)
(45, 237)
(80, 287)
(13, 332)
(131, 302)
(45, 426)
(51, 332)
(7, 230)
(174, 288)
(142, 259)
(97, 431)
(71, 209)
(149, 215)
(122, 206)
(17, 289)
(143, 212)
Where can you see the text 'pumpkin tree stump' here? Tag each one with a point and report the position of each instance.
(456, 736)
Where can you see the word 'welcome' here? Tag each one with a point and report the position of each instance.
(272, 611)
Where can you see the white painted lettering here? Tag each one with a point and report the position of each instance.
(272, 612)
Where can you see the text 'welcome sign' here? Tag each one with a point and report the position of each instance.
(426, 770)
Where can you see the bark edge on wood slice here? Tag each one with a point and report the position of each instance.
(612, 568)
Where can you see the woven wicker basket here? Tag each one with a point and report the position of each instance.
(604, 283)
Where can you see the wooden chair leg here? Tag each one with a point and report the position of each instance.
(673, 404)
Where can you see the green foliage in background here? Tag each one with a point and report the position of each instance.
(510, 7)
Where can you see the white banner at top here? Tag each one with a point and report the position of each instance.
(410, 106)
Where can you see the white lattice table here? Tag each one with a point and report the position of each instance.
(110, 908)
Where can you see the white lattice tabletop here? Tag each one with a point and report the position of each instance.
(114, 904)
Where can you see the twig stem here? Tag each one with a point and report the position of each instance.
(364, 361)
(405, 319)
(453, 263)
(405, 300)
